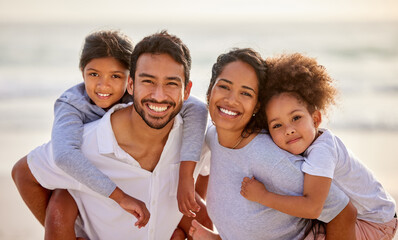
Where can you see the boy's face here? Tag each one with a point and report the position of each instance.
(158, 89)
(290, 124)
(105, 80)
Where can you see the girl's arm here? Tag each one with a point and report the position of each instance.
(194, 114)
(66, 138)
(309, 205)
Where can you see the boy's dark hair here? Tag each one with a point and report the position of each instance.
(163, 43)
(254, 59)
(106, 44)
(304, 78)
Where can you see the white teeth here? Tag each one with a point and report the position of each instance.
(103, 94)
(228, 112)
(157, 109)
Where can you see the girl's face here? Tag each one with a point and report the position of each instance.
(105, 81)
(290, 124)
(233, 98)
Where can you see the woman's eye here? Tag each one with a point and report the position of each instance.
(246, 94)
(116, 76)
(223, 87)
(93, 74)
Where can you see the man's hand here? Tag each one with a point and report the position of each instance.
(133, 206)
(186, 196)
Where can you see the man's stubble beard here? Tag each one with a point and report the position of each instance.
(155, 125)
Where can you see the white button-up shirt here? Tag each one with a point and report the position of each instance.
(103, 218)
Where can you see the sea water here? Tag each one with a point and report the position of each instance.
(38, 61)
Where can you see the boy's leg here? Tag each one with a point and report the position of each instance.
(377, 231)
(61, 215)
(34, 195)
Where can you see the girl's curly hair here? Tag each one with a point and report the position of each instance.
(304, 78)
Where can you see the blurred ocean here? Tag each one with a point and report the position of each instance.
(38, 61)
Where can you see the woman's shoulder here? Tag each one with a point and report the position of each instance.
(263, 145)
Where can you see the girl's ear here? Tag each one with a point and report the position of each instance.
(317, 118)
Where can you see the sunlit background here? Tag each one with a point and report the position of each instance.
(357, 42)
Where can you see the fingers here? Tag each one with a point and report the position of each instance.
(142, 214)
(188, 206)
(193, 205)
(185, 209)
(243, 193)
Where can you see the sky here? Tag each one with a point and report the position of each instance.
(194, 10)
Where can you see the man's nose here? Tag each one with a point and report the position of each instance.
(159, 93)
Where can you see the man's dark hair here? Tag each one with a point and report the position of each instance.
(163, 43)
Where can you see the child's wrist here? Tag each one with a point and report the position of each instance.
(117, 195)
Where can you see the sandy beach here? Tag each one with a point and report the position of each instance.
(376, 149)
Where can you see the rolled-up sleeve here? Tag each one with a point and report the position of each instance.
(41, 164)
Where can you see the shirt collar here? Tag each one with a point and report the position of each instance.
(106, 140)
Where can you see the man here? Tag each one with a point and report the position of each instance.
(136, 145)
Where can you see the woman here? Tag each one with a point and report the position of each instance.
(239, 148)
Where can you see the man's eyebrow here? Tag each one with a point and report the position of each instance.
(146, 75)
(175, 78)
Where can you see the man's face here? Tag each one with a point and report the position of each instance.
(158, 90)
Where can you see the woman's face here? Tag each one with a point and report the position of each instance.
(233, 98)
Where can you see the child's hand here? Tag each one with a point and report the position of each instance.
(252, 189)
(132, 205)
(137, 208)
(186, 196)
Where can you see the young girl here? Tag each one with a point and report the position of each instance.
(298, 91)
(104, 62)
